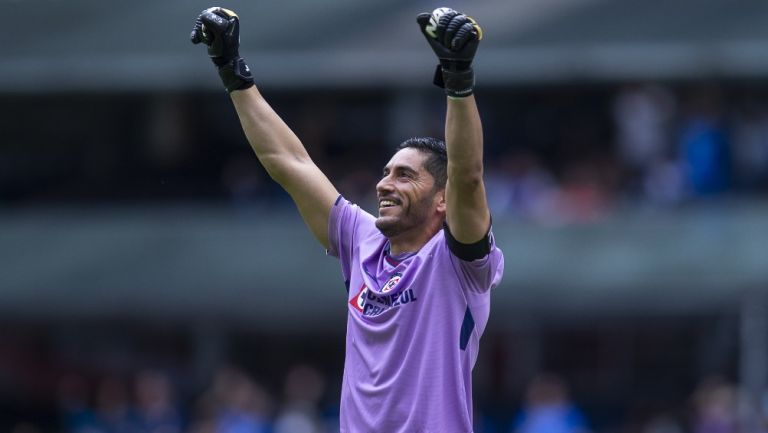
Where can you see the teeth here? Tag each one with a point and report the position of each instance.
(386, 203)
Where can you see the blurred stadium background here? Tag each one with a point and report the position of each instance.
(153, 279)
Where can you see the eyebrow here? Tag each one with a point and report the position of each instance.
(405, 168)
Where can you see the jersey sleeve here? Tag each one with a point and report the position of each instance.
(347, 224)
(482, 274)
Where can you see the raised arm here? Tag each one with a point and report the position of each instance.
(454, 38)
(467, 211)
(277, 147)
(287, 162)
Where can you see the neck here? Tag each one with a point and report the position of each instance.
(411, 242)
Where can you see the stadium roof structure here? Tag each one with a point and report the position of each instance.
(143, 45)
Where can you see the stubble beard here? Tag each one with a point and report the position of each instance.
(410, 217)
(389, 226)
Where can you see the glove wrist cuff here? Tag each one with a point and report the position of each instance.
(222, 61)
(236, 75)
(457, 84)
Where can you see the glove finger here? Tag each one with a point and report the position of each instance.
(463, 35)
(442, 24)
(233, 29)
(450, 30)
(214, 21)
(195, 36)
(197, 32)
(423, 20)
(224, 13)
(212, 26)
(478, 29)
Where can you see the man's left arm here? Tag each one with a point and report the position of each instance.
(467, 213)
(454, 37)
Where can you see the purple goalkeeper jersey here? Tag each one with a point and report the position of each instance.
(413, 328)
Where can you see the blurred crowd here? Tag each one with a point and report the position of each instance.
(622, 377)
(665, 149)
(567, 155)
(234, 402)
(559, 154)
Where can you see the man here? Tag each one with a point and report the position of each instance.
(419, 276)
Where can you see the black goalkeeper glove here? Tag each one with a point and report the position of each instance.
(454, 38)
(219, 29)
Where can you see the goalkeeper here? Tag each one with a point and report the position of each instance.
(418, 275)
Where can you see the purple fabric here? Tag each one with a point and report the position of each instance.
(404, 370)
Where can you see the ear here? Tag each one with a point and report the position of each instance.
(440, 200)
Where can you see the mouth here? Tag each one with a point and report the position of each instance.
(386, 203)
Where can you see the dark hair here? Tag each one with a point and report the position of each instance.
(436, 163)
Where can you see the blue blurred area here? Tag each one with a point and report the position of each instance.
(154, 279)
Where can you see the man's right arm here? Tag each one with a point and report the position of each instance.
(277, 147)
(286, 160)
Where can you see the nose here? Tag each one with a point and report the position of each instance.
(384, 186)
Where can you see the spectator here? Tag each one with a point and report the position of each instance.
(548, 409)
(113, 411)
(156, 410)
(715, 407)
(643, 116)
(234, 404)
(704, 146)
(72, 398)
(304, 386)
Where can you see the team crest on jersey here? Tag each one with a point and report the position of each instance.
(391, 283)
(371, 304)
(358, 302)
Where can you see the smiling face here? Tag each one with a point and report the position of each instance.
(408, 199)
